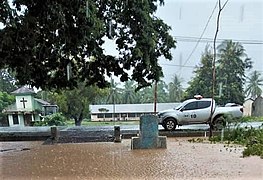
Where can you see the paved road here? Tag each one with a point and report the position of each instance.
(99, 133)
(203, 127)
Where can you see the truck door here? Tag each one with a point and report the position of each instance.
(203, 111)
(189, 113)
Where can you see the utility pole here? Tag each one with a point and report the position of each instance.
(155, 98)
(213, 67)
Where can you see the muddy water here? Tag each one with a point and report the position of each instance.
(183, 160)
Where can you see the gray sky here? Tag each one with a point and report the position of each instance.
(241, 20)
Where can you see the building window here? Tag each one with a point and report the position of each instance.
(108, 115)
(131, 115)
(15, 119)
(100, 115)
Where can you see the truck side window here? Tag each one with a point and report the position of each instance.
(203, 104)
(190, 106)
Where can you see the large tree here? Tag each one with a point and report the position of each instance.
(201, 84)
(232, 63)
(7, 81)
(42, 41)
(5, 100)
(254, 85)
(74, 103)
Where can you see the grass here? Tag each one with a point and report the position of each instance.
(251, 138)
(251, 119)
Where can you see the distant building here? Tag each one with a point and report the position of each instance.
(124, 112)
(248, 107)
(27, 108)
(257, 107)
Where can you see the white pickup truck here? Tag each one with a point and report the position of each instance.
(197, 111)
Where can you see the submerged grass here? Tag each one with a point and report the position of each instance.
(249, 137)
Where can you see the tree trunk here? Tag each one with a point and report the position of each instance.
(78, 120)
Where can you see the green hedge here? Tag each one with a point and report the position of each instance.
(56, 119)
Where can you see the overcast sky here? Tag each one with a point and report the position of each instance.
(241, 20)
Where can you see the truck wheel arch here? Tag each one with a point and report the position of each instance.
(219, 122)
(170, 123)
(217, 116)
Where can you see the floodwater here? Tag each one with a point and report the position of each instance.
(181, 160)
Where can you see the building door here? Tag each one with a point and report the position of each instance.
(15, 119)
(28, 119)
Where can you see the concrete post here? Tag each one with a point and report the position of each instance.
(149, 134)
(117, 134)
(54, 134)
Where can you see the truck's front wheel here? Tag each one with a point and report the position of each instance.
(169, 124)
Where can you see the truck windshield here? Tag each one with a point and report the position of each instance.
(178, 107)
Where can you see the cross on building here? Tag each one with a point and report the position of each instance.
(23, 101)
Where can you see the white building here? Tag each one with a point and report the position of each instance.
(248, 107)
(123, 112)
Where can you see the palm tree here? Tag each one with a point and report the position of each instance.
(162, 96)
(128, 95)
(147, 93)
(114, 95)
(253, 89)
(175, 90)
(232, 64)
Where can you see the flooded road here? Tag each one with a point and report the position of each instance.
(181, 159)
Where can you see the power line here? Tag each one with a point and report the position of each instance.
(190, 55)
(178, 65)
(206, 40)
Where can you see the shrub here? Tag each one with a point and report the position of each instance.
(250, 137)
(56, 119)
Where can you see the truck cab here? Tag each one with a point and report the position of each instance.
(195, 111)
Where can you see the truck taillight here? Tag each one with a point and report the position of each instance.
(241, 109)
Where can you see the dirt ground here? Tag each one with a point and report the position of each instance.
(181, 160)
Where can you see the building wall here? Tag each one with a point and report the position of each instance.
(20, 120)
(257, 107)
(10, 119)
(247, 107)
(118, 117)
(24, 103)
(126, 112)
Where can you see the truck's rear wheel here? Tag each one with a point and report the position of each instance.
(219, 123)
(170, 124)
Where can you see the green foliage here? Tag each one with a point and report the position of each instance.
(230, 74)
(196, 140)
(250, 137)
(202, 82)
(5, 100)
(74, 104)
(129, 95)
(7, 81)
(175, 90)
(40, 40)
(253, 89)
(251, 119)
(232, 64)
(56, 119)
